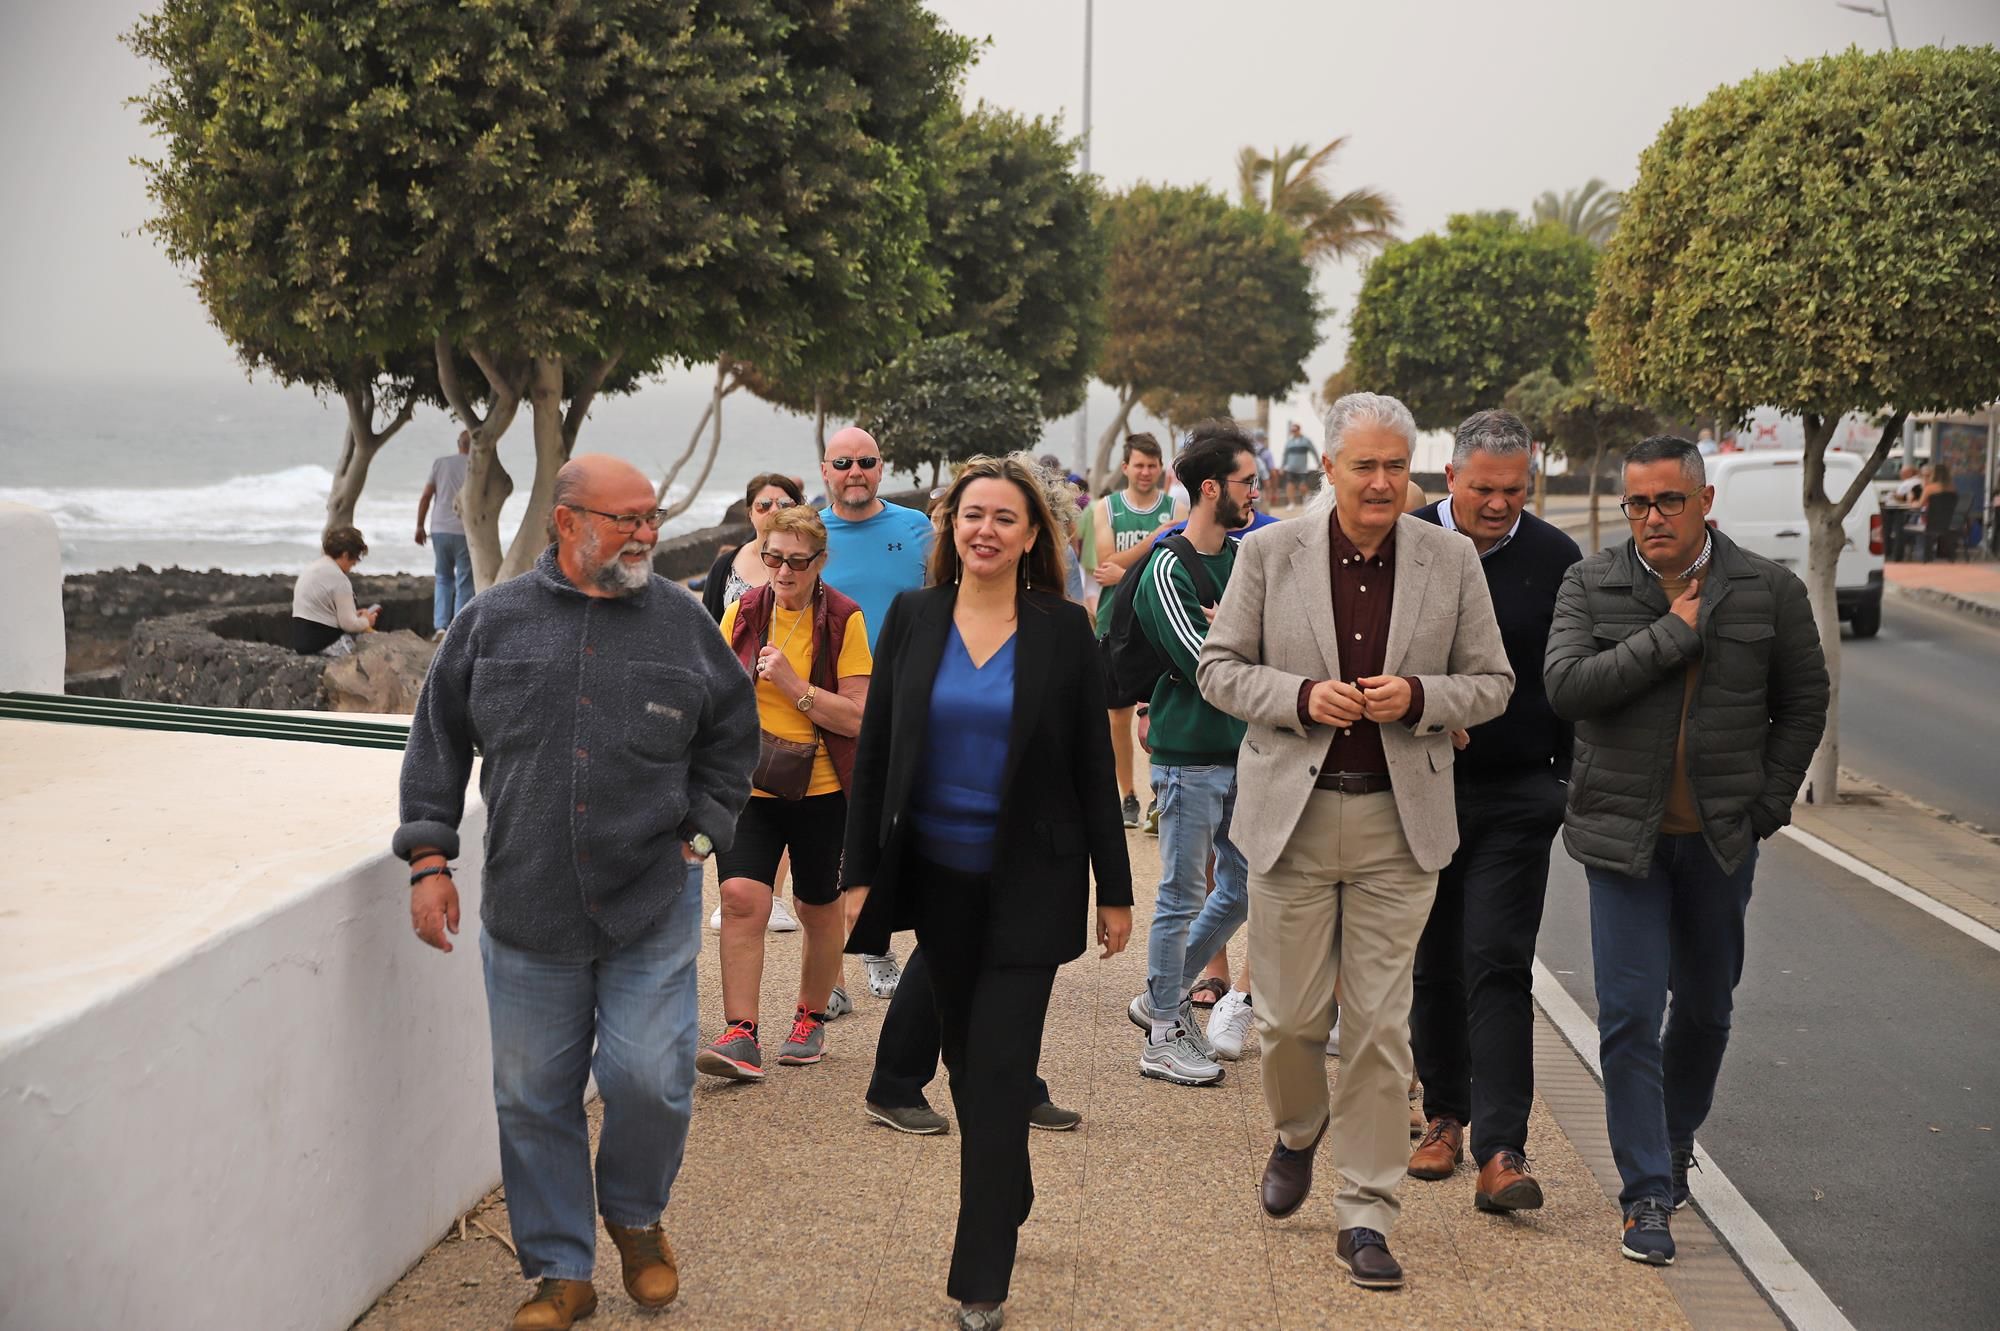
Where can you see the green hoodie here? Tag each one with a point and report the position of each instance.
(1185, 730)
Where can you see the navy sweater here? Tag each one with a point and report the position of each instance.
(1523, 577)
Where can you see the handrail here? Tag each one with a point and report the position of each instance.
(244, 724)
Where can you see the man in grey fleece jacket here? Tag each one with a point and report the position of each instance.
(618, 735)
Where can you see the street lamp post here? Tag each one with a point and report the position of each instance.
(1873, 12)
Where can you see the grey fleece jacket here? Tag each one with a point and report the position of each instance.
(611, 729)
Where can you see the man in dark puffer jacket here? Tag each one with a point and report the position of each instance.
(1693, 673)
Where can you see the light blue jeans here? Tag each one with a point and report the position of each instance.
(638, 1006)
(452, 560)
(1195, 807)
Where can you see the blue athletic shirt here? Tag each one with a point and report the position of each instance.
(875, 561)
(955, 808)
(1258, 519)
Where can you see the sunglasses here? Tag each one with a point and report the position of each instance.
(842, 464)
(799, 563)
(766, 505)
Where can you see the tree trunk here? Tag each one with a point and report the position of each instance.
(359, 444)
(487, 483)
(545, 405)
(819, 423)
(726, 382)
(1596, 471)
(1100, 467)
(1264, 417)
(1826, 537)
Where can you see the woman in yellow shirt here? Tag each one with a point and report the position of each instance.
(807, 647)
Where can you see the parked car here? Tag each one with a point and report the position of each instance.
(1760, 503)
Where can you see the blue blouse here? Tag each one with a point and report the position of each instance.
(956, 808)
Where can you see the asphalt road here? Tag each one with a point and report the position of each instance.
(1920, 708)
(1859, 1107)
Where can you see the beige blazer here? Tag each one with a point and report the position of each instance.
(1275, 629)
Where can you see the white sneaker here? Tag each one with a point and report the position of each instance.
(1178, 1061)
(838, 1004)
(715, 920)
(883, 974)
(782, 920)
(1229, 1025)
(1333, 1038)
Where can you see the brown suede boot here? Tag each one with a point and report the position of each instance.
(652, 1277)
(557, 1306)
(1438, 1154)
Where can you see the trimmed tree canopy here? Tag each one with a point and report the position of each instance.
(1449, 323)
(1822, 238)
(946, 399)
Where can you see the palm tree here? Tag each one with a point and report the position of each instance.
(1591, 212)
(1332, 226)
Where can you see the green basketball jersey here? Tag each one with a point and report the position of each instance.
(1129, 528)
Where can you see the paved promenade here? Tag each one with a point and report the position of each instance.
(793, 1210)
(1973, 588)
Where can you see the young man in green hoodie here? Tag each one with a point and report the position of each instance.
(1194, 760)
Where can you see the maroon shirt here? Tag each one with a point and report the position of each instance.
(1364, 594)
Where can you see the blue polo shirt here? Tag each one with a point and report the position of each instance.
(877, 560)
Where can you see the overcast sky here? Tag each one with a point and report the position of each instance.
(1471, 104)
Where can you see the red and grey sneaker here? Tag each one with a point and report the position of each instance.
(735, 1054)
(807, 1042)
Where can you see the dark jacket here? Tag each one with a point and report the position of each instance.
(1059, 816)
(717, 582)
(831, 611)
(612, 729)
(1615, 667)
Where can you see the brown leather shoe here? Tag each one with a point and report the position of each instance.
(1506, 1185)
(1288, 1177)
(1364, 1255)
(557, 1305)
(652, 1276)
(1440, 1150)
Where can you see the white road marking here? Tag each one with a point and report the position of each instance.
(1896, 887)
(1763, 1254)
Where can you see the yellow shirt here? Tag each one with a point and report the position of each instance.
(779, 714)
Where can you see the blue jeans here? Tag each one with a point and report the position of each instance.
(638, 1006)
(453, 561)
(1195, 807)
(1678, 928)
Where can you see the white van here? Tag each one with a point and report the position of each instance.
(1760, 503)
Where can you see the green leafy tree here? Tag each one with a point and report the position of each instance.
(1824, 238)
(1579, 421)
(568, 197)
(1204, 301)
(1590, 213)
(946, 399)
(1449, 322)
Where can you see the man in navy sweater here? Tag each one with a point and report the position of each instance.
(1471, 1023)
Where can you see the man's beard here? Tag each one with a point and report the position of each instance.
(613, 574)
(1229, 514)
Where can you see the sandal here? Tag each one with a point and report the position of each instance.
(1208, 992)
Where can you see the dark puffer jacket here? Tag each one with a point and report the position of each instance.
(1614, 667)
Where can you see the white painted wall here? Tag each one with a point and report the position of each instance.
(267, 1131)
(31, 618)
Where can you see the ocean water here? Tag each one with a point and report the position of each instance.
(233, 474)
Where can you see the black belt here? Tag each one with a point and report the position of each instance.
(1353, 783)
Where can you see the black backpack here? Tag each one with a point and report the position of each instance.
(1132, 664)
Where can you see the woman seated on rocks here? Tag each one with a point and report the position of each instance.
(323, 613)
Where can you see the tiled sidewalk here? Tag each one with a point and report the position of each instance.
(794, 1211)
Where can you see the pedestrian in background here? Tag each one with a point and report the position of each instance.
(1693, 673)
(738, 568)
(451, 558)
(982, 803)
(617, 736)
(324, 616)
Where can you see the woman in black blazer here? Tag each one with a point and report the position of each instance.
(983, 797)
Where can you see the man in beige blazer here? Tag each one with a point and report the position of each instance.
(1353, 641)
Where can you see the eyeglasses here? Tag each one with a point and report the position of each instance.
(627, 523)
(1670, 505)
(1247, 482)
(799, 563)
(766, 505)
(866, 464)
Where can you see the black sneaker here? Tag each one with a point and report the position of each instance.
(1683, 1158)
(1647, 1238)
(1131, 810)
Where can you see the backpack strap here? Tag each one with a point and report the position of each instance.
(1205, 589)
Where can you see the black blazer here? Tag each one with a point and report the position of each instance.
(1059, 813)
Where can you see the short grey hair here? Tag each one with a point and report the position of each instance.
(1498, 432)
(1670, 448)
(1378, 409)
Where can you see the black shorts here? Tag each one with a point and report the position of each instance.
(812, 829)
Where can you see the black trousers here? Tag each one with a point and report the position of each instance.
(1472, 1024)
(906, 1051)
(990, 1019)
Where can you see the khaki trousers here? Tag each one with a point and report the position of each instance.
(1345, 902)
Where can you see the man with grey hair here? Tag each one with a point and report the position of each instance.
(618, 735)
(1472, 1021)
(1693, 673)
(1352, 642)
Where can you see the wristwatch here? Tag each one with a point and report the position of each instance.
(806, 698)
(700, 844)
